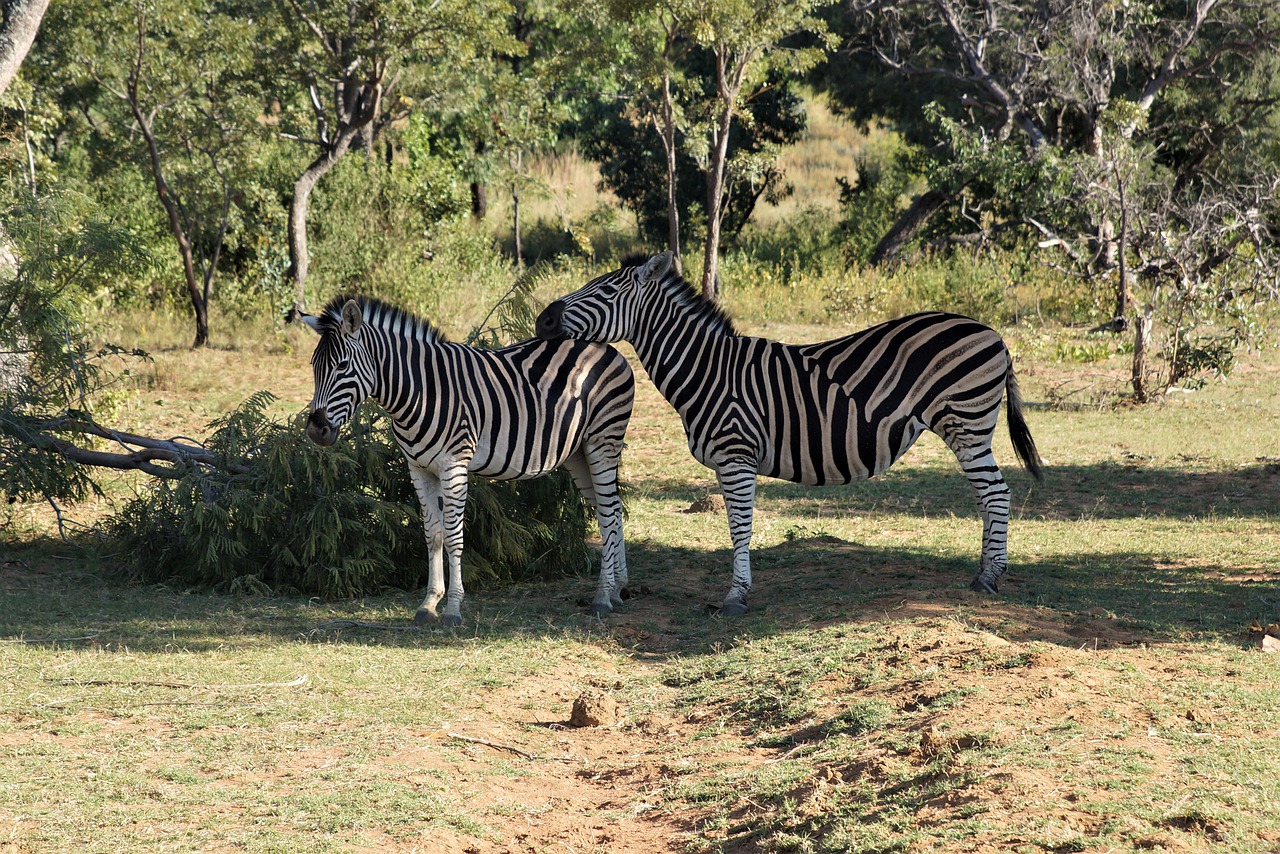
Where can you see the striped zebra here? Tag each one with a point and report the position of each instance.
(512, 413)
(833, 412)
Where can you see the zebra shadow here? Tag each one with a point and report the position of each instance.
(1073, 598)
(1078, 599)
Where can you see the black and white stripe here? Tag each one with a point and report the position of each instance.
(512, 413)
(833, 412)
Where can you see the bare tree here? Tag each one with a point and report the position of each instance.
(345, 96)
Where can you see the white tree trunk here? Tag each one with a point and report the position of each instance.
(22, 22)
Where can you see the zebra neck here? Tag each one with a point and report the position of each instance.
(668, 341)
(403, 366)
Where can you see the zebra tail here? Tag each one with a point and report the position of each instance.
(1023, 445)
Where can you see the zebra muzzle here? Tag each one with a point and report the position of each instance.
(320, 430)
(549, 325)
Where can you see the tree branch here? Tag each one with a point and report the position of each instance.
(141, 453)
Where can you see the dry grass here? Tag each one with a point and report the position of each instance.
(829, 150)
(1107, 699)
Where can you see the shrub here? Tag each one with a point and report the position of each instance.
(280, 514)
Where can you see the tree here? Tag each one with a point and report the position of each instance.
(749, 42)
(619, 137)
(17, 32)
(1125, 139)
(167, 83)
(1043, 73)
(1192, 266)
(345, 59)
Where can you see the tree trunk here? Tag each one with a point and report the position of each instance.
(668, 133)
(21, 23)
(711, 257)
(1141, 339)
(479, 199)
(199, 305)
(908, 226)
(728, 92)
(299, 262)
(1122, 286)
(515, 225)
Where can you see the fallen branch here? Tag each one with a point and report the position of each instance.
(526, 754)
(141, 453)
(142, 683)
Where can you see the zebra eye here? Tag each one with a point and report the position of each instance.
(344, 365)
(609, 291)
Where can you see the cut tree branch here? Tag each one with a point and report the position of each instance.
(140, 453)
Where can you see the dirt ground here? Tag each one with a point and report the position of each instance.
(600, 788)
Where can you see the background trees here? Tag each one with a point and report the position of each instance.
(1098, 131)
(170, 89)
(1003, 110)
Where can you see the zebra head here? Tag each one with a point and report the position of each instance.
(342, 367)
(608, 307)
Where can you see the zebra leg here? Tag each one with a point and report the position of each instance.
(606, 592)
(454, 484)
(738, 484)
(993, 500)
(603, 462)
(431, 500)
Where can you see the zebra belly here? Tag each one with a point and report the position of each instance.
(529, 452)
(836, 451)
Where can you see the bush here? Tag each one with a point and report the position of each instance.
(282, 515)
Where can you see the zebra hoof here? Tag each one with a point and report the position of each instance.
(451, 621)
(423, 617)
(980, 586)
(599, 610)
(733, 609)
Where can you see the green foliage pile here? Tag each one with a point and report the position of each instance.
(282, 515)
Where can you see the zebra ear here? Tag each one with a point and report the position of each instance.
(352, 318)
(311, 320)
(656, 267)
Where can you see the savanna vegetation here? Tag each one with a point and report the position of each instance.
(204, 620)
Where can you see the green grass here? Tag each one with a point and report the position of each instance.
(1108, 698)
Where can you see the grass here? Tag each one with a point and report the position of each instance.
(1107, 698)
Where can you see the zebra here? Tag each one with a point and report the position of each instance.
(509, 413)
(833, 412)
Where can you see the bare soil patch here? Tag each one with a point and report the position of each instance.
(987, 673)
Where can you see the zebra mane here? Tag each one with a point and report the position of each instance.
(687, 296)
(380, 315)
